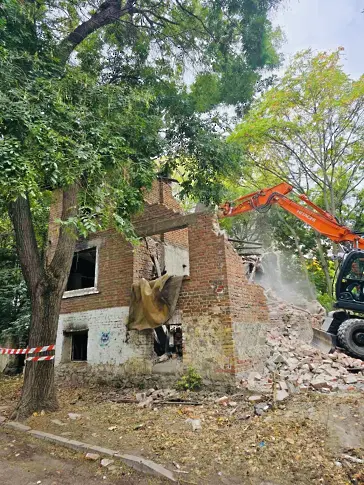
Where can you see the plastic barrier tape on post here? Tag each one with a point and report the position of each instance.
(36, 359)
(33, 350)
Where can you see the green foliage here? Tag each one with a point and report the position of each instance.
(105, 119)
(14, 300)
(309, 130)
(326, 300)
(191, 381)
(316, 274)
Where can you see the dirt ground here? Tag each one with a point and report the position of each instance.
(26, 461)
(300, 442)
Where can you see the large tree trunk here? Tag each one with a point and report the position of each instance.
(39, 388)
(46, 279)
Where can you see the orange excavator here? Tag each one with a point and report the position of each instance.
(345, 325)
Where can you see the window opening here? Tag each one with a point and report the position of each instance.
(83, 270)
(79, 346)
(168, 341)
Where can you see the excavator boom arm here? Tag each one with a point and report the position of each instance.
(317, 218)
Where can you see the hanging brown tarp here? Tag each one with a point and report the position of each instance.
(153, 302)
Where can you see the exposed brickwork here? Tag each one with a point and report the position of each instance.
(248, 302)
(115, 276)
(120, 264)
(204, 302)
(223, 316)
(160, 204)
(219, 305)
(143, 264)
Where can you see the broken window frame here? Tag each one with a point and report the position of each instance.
(78, 334)
(92, 290)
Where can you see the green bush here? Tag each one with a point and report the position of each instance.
(326, 301)
(190, 381)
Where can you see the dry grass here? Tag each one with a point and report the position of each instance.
(294, 444)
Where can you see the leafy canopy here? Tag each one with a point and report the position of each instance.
(309, 130)
(121, 100)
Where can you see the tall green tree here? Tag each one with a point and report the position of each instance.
(90, 94)
(309, 130)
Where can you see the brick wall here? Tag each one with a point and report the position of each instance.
(105, 312)
(248, 302)
(143, 264)
(160, 204)
(224, 317)
(120, 263)
(204, 303)
(115, 275)
(249, 316)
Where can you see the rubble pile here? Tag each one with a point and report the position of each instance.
(297, 319)
(294, 366)
(154, 396)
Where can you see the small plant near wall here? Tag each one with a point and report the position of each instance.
(190, 381)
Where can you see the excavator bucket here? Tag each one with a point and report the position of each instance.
(324, 341)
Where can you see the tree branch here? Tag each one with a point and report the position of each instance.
(62, 259)
(26, 243)
(107, 13)
(191, 14)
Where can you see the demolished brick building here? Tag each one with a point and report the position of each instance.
(224, 318)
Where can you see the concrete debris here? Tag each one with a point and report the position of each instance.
(74, 416)
(255, 398)
(254, 376)
(146, 399)
(283, 386)
(282, 395)
(278, 359)
(106, 462)
(294, 319)
(350, 379)
(353, 459)
(261, 408)
(295, 366)
(319, 383)
(58, 422)
(147, 403)
(92, 456)
(140, 396)
(195, 423)
(163, 358)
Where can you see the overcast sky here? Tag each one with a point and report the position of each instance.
(324, 25)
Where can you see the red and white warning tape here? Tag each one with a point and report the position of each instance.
(36, 359)
(33, 350)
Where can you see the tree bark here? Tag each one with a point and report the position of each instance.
(108, 12)
(39, 391)
(46, 283)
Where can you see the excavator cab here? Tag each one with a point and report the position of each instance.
(350, 282)
(345, 325)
